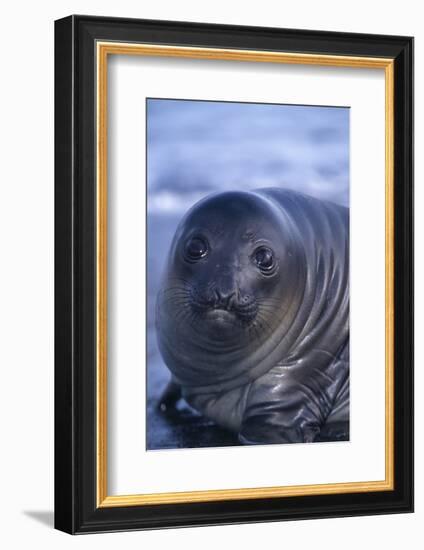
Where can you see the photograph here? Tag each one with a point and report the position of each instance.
(247, 273)
(233, 273)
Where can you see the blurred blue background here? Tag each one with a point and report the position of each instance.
(195, 148)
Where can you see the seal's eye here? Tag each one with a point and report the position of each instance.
(264, 258)
(196, 248)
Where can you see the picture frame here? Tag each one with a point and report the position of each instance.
(83, 45)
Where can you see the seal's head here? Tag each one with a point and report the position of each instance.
(232, 285)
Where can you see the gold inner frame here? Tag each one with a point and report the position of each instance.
(103, 50)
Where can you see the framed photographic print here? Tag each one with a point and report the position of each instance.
(233, 272)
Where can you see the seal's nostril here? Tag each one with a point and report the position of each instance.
(230, 300)
(224, 298)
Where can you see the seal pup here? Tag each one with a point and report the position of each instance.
(252, 315)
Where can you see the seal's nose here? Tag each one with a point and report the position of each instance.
(224, 297)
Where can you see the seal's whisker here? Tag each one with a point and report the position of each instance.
(183, 314)
(177, 304)
(176, 288)
(177, 295)
(182, 304)
(269, 301)
(265, 326)
(191, 317)
(268, 307)
(171, 278)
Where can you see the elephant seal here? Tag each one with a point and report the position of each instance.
(253, 315)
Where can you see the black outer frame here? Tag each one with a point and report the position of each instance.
(75, 274)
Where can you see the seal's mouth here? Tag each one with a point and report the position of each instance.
(211, 306)
(226, 314)
(221, 315)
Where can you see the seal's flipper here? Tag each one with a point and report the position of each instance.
(169, 398)
(281, 409)
(266, 430)
(336, 427)
(301, 403)
(334, 431)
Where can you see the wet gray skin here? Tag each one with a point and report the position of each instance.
(252, 316)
